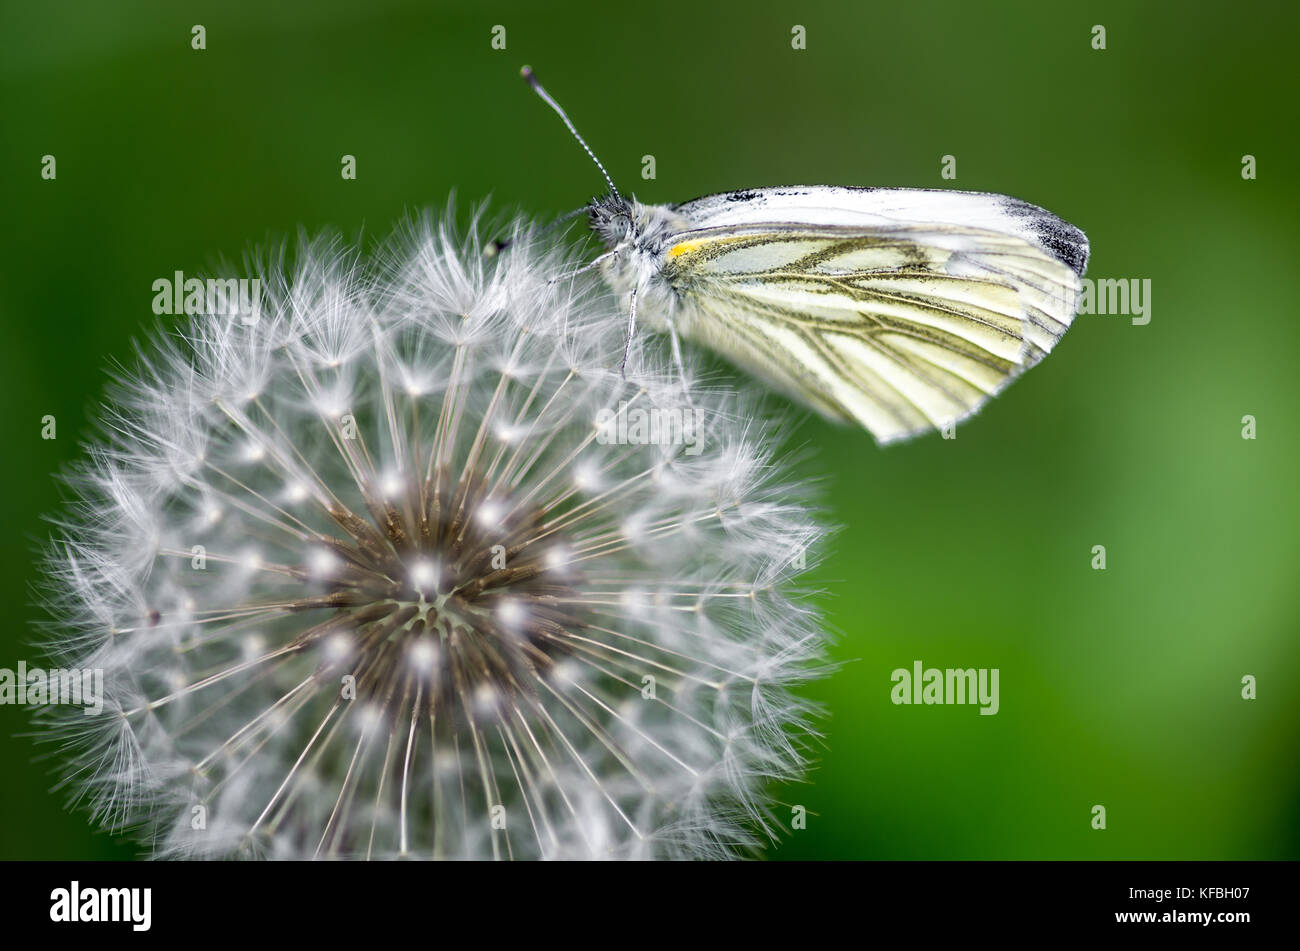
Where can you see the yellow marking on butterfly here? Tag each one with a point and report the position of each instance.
(686, 247)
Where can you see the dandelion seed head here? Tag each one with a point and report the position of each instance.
(424, 577)
(423, 657)
(365, 581)
(322, 563)
(252, 646)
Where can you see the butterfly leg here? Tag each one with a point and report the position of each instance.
(594, 263)
(631, 329)
(677, 358)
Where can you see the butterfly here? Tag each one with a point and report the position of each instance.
(902, 310)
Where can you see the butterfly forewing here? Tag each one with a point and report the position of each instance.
(900, 325)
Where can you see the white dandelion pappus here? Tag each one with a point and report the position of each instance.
(364, 581)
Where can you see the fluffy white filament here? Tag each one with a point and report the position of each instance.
(377, 576)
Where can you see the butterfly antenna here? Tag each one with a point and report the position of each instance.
(527, 73)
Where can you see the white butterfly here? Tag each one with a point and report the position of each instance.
(900, 309)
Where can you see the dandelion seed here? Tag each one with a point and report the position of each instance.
(435, 616)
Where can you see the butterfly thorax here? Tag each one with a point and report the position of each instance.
(639, 236)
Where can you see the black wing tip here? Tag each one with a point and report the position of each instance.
(1064, 241)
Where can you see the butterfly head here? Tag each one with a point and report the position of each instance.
(613, 220)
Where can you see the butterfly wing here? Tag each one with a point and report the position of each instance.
(902, 309)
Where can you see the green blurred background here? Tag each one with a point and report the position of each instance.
(1118, 687)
